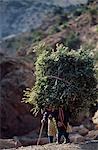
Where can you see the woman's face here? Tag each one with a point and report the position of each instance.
(50, 108)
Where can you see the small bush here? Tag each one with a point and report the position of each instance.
(93, 11)
(54, 29)
(73, 41)
(64, 25)
(78, 12)
(37, 36)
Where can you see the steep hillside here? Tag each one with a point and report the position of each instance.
(22, 15)
(79, 22)
(79, 27)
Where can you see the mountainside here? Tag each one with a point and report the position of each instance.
(22, 15)
(73, 29)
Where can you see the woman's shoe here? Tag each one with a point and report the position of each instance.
(68, 140)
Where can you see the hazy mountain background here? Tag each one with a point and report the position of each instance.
(21, 15)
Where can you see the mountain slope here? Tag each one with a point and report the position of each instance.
(21, 15)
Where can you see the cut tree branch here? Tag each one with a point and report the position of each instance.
(58, 78)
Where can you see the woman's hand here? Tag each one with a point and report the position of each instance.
(59, 124)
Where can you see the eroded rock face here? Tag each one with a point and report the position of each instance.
(15, 116)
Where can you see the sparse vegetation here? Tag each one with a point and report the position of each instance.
(37, 36)
(72, 41)
(93, 11)
(54, 29)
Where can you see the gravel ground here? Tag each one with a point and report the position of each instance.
(87, 146)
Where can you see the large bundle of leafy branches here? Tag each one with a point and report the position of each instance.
(63, 76)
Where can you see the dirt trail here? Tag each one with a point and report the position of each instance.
(87, 146)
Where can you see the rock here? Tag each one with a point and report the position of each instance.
(92, 135)
(95, 118)
(76, 138)
(7, 143)
(83, 131)
(96, 127)
(72, 146)
(15, 116)
(75, 129)
(26, 141)
(88, 123)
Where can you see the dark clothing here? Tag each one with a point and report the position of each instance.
(65, 134)
(50, 138)
(65, 121)
(63, 127)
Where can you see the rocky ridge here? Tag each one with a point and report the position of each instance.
(21, 15)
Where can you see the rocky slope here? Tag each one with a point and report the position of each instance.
(15, 116)
(56, 28)
(21, 15)
(17, 73)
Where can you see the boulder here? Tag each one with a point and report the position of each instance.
(96, 127)
(83, 131)
(95, 118)
(26, 141)
(7, 143)
(15, 116)
(92, 135)
(88, 123)
(75, 129)
(76, 138)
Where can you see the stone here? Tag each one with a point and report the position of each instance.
(83, 131)
(15, 116)
(76, 138)
(96, 127)
(26, 141)
(7, 143)
(92, 135)
(88, 123)
(95, 118)
(75, 129)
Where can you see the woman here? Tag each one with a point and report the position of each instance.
(62, 121)
(52, 128)
(48, 111)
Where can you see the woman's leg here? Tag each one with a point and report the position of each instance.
(59, 136)
(66, 135)
(67, 138)
(50, 138)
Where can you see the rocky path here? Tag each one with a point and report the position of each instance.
(87, 146)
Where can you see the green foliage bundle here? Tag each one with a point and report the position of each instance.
(63, 76)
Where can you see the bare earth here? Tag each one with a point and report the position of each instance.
(88, 146)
